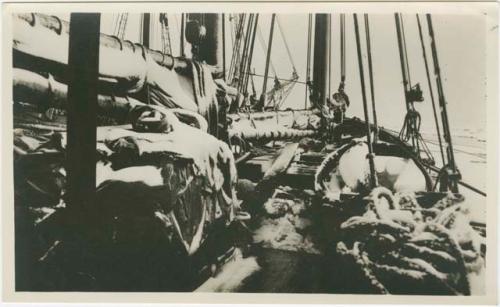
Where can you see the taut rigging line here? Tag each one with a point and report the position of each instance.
(370, 71)
(250, 56)
(308, 65)
(244, 58)
(431, 92)
(262, 101)
(452, 175)
(342, 51)
(236, 57)
(286, 43)
(412, 120)
(264, 48)
(371, 157)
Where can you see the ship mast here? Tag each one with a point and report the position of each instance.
(209, 40)
(83, 72)
(321, 59)
(183, 23)
(145, 29)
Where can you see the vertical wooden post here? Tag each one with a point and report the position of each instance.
(83, 71)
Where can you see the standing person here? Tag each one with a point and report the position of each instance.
(340, 102)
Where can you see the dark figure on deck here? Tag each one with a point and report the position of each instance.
(277, 84)
(274, 99)
(340, 102)
(415, 94)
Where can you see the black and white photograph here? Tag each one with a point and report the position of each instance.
(313, 152)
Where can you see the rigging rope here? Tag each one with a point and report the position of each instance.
(262, 102)
(120, 25)
(330, 59)
(412, 121)
(254, 91)
(233, 30)
(178, 29)
(282, 90)
(243, 68)
(244, 58)
(280, 79)
(370, 71)
(340, 100)
(402, 58)
(405, 51)
(235, 59)
(342, 49)
(373, 175)
(116, 20)
(286, 43)
(477, 155)
(232, 36)
(152, 31)
(165, 34)
(224, 72)
(308, 65)
(431, 92)
(252, 35)
(264, 49)
(434, 142)
(454, 175)
(411, 126)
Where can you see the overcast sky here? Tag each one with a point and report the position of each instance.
(461, 49)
